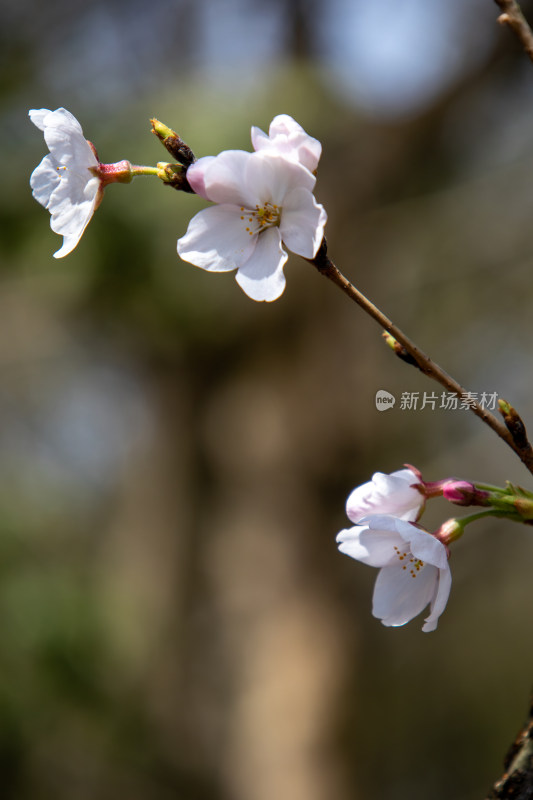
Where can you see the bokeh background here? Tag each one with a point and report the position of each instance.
(175, 619)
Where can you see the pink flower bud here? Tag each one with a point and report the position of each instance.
(464, 493)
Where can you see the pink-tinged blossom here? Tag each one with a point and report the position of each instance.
(289, 140)
(413, 568)
(65, 181)
(264, 204)
(387, 494)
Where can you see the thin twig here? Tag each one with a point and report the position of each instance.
(513, 17)
(326, 267)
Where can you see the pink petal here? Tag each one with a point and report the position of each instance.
(386, 494)
(289, 139)
(196, 175)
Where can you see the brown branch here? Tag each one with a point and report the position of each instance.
(513, 17)
(517, 781)
(326, 267)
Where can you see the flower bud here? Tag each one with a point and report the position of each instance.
(173, 143)
(174, 175)
(449, 531)
(399, 349)
(464, 493)
(514, 424)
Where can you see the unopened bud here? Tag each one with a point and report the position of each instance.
(399, 349)
(174, 175)
(464, 493)
(449, 531)
(514, 424)
(173, 143)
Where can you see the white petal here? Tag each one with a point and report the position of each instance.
(71, 218)
(217, 240)
(398, 596)
(37, 116)
(64, 136)
(261, 277)
(438, 604)
(61, 118)
(302, 223)
(44, 180)
(377, 548)
(69, 149)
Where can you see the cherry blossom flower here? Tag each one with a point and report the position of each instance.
(70, 180)
(388, 494)
(65, 181)
(413, 568)
(290, 140)
(263, 201)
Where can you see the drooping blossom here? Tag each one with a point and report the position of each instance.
(388, 494)
(70, 180)
(264, 202)
(288, 138)
(413, 568)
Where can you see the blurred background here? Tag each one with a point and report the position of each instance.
(176, 621)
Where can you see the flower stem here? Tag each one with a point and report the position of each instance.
(491, 513)
(326, 267)
(139, 170)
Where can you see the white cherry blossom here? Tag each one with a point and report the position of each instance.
(66, 180)
(264, 202)
(288, 138)
(387, 494)
(413, 568)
